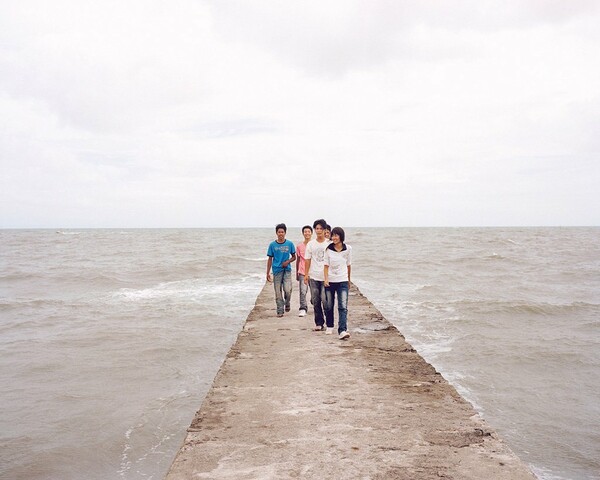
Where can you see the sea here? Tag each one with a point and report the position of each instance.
(110, 339)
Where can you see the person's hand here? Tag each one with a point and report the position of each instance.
(305, 279)
(297, 277)
(269, 279)
(326, 283)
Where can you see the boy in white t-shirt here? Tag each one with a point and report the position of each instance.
(314, 260)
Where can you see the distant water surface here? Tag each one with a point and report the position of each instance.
(109, 339)
(511, 317)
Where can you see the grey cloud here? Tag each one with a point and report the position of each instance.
(331, 39)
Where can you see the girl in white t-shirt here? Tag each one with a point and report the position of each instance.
(338, 267)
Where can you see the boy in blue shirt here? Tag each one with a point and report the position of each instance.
(281, 253)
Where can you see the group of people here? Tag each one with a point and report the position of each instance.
(323, 264)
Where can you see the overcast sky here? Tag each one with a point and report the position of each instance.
(249, 113)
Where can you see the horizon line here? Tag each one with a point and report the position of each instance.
(294, 226)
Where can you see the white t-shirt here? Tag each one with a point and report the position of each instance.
(315, 252)
(338, 263)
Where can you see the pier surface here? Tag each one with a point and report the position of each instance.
(292, 403)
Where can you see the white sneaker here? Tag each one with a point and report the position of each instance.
(344, 335)
(328, 331)
(302, 313)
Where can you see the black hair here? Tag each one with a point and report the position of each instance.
(321, 222)
(328, 227)
(339, 231)
(280, 225)
(307, 226)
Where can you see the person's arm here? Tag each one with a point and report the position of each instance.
(269, 264)
(297, 267)
(289, 260)
(306, 270)
(326, 268)
(349, 263)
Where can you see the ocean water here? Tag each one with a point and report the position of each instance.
(110, 339)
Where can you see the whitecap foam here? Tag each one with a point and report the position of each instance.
(546, 474)
(192, 290)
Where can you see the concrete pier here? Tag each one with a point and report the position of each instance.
(292, 403)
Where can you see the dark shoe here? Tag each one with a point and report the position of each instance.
(287, 308)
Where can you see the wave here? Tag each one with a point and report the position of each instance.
(569, 353)
(67, 276)
(546, 473)
(494, 306)
(37, 303)
(192, 289)
(495, 256)
(237, 244)
(542, 308)
(253, 276)
(19, 276)
(473, 259)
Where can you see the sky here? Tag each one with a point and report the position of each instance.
(231, 113)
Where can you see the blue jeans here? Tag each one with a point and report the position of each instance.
(317, 298)
(303, 291)
(341, 289)
(282, 281)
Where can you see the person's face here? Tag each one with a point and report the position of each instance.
(280, 234)
(327, 234)
(307, 232)
(319, 231)
(335, 238)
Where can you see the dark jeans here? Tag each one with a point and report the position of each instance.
(317, 298)
(341, 290)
